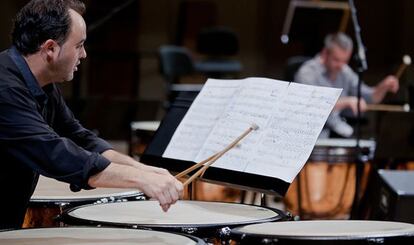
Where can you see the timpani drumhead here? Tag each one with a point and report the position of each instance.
(89, 236)
(181, 216)
(151, 126)
(51, 190)
(334, 230)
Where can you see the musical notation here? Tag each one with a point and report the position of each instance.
(290, 117)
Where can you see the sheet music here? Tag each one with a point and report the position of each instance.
(200, 119)
(290, 117)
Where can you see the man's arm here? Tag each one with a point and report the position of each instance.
(159, 185)
(388, 84)
(351, 103)
(123, 159)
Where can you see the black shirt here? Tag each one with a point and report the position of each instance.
(38, 135)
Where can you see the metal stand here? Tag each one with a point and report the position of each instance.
(263, 200)
(362, 66)
(191, 190)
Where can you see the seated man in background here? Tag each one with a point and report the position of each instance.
(330, 69)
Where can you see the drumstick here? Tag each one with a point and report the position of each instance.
(181, 174)
(406, 62)
(210, 160)
(382, 107)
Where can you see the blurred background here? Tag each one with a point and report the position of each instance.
(141, 51)
(121, 80)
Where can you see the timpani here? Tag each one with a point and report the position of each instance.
(322, 232)
(141, 134)
(325, 187)
(51, 197)
(208, 220)
(91, 236)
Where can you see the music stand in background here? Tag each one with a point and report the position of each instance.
(240, 180)
(313, 19)
(394, 146)
(395, 139)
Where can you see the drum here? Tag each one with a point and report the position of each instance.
(141, 134)
(325, 232)
(325, 187)
(209, 220)
(89, 236)
(51, 197)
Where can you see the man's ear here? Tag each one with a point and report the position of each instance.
(50, 50)
(324, 54)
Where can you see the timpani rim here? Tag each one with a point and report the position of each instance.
(278, 216)
(238, 232)
(197, 240)
(97, 197)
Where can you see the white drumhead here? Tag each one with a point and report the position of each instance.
(330, 228)
(151, 126)
(89, 236)
(48, 189)
(346, 143)
(181, 213)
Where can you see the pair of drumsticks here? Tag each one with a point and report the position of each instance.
(406, 61)
(203, 165)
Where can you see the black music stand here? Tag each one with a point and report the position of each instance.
(395, 139)
(154, 151)
(394, 145)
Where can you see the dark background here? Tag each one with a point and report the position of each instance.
(120, 81)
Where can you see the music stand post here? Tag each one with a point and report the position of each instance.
(362, 66)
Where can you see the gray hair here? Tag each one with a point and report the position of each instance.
(340, 39)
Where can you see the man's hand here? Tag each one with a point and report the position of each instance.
(388, 84)
(155, 182)
(350, 102)
(159, 184)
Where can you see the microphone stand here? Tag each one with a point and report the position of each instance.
(361, 67)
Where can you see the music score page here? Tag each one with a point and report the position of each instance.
(290, 117)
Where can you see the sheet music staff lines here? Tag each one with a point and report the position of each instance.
(290, 117)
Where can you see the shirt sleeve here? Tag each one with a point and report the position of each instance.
(352, 77)
(28, 139)
(307, 75)
(68, 126)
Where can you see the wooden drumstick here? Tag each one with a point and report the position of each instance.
(383, 107)
(406, 62)
(210, 160)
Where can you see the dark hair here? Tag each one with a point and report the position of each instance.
(40, 20)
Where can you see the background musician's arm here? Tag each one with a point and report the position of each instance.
(351, 103)
(388, 84)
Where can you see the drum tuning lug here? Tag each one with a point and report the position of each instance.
(269, 241)
(62, 204)
(140, 198)
(189, 230)
(224, 233)
(379, 240)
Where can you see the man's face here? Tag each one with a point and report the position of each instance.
(72, 50)
(335, 58)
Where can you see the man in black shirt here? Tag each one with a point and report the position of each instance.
(38, 132)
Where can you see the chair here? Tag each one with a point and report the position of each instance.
(176, 62)
(218, 44)
(292, 66)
